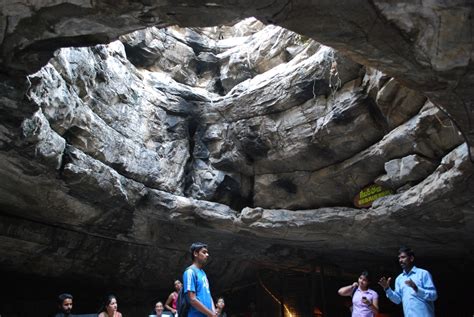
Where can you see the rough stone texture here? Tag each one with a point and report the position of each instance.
(156, 50)
(252, 152)
(270, 47)
(427, 45)
(410, 168)
(337, 184)
(46, 145)
(398, 103)
(100, 105)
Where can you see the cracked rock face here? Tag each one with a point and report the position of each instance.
(250, 137)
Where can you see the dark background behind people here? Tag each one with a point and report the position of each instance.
(25, 296)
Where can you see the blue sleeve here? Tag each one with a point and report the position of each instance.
(394, 296)
(188, 281)
(427, 291)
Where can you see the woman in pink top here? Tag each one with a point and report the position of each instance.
(173, 298)
(365, 302)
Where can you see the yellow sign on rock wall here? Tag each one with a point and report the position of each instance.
(369, 194)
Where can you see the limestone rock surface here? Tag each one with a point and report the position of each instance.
(410, 168)
(426, 45)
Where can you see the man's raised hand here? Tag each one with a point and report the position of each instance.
(384, 282)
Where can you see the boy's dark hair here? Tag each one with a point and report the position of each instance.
(196, 246)
(63, 296)
(406, 250)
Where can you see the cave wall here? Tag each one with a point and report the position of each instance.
(251, 137)
(427, 45)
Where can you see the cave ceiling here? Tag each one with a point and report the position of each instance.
(129, 129)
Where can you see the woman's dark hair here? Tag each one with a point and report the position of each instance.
(366, 275)
(106, 302)
(196, 246)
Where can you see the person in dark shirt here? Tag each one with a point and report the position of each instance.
(64, 305)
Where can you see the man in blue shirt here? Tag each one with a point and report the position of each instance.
(414, 287)
(196, 285)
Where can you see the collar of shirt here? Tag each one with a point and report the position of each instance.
(412, 271)
(362, 291)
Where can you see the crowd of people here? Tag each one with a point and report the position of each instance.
(414, 289)
(196, 289)
(110, 306)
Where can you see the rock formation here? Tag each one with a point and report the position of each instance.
(251, 137)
